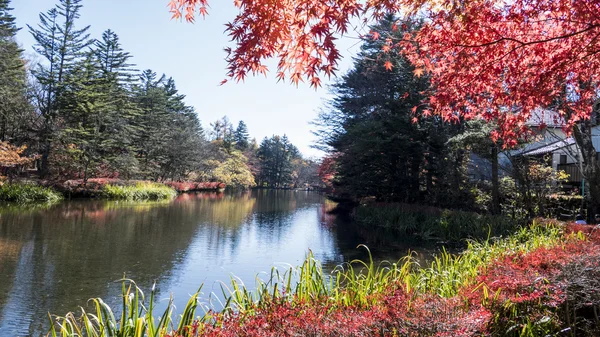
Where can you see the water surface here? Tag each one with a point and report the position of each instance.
(55, 259)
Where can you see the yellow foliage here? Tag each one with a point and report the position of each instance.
(10, 155)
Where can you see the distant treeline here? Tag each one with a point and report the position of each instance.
(85, 111)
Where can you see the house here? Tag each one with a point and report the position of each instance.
(550, 142)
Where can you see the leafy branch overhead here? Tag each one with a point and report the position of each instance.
(498, 60)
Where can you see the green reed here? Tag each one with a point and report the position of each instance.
(27, 193)
(139, 191)
(357, 284)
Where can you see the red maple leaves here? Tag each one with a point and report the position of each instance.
(496, 60)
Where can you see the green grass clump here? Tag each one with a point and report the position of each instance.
(357, 284)
(26, 193)
(447, 273)
(139, 191)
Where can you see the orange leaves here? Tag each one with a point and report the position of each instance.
(187, 8)
(388, 65)
(300, 34)
(10, 155)
(315, 82)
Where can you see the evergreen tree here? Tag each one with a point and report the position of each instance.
(171, 138)
(276, 157)
(221, 128)
(241, 136)
(381, 152)
(63, 46)
(152, 121)
(115, 74)
(98, 131)
(15, 109)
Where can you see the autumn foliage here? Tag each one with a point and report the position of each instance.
(189, 186)
(95, 186)
(497, 60)
(515, 293)
(12, 156)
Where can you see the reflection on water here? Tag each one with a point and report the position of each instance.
(54, 259)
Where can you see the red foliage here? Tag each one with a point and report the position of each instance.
(189, 186)
(496, 60)
(327, 170)
(520, 279)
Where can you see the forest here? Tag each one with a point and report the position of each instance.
(81, 110)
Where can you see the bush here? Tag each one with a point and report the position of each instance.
(433, 223)
(23, 193)
(581, 309)
(139, 191)
(190, 186)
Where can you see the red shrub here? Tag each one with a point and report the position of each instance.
(188, 186)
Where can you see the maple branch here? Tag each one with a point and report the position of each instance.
(524, 44)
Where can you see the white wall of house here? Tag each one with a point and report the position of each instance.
(565, 155)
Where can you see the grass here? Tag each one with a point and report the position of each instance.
(431, 223)
(27, 193)
(354, 286)
(139, 191)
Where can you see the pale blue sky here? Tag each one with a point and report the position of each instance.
(193, 55)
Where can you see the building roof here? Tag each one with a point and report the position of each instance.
(551, 147)
(559, 145)
(548, 118)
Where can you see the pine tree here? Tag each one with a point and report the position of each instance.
(98, 132)
(229, 138)
(63, 46)
(171, 138)
(185, 137)
(15, 109)
(276, 155)
(382, 153)
(116, 76)
(241, 136)
(151, 99)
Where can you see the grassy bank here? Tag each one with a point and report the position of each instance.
(139, 191)
(529, 284)
(427, 222)
(27, 193)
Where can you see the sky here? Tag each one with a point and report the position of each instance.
(193, 55)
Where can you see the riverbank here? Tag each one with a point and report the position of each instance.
(102, 188)
(540, 280)
(422, 222)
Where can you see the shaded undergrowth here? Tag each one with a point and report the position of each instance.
(431, 223)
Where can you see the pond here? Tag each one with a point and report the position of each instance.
(53, 259)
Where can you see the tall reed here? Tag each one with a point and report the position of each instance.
(26, 193)
(357, 284)
(139, 191)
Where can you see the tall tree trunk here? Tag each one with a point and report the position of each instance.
(495, 181)
(582, 133)
(45, 148)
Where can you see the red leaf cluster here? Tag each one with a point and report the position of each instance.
(527, 280)
(496, 60)
(190, 186)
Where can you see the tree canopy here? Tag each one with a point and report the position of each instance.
(497, 60)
